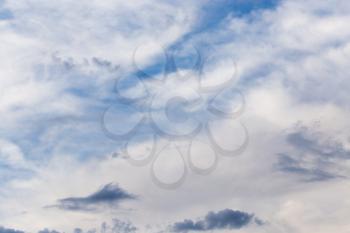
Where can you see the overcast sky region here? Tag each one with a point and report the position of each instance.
(150, 116)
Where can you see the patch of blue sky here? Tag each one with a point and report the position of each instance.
(8, 173)
(216, 11)
(5, 14)
(43, 135)
(177, 57)
(184, 55)
(211, 16)
(257, 75)
(64, 136)
(150, 71)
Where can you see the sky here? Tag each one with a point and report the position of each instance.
(148, 116)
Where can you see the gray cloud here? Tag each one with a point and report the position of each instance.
(9, 230)
(110, 195)
(117, 226)
(309, 170)
(314, 157)
(224, 219)
(48, 231)
(314, 145)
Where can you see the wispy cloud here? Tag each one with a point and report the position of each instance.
(314, 156)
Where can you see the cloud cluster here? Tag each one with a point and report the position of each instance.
(224, 219)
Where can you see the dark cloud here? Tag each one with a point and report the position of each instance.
(78, 230)
(224, 219)
(109, 195)
(48, 231)
(9, 230)
(119, 226)
(313, 156)
(105, 64)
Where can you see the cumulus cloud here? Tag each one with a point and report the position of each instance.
(224, 219)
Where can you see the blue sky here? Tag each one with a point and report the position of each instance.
(174, 116)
